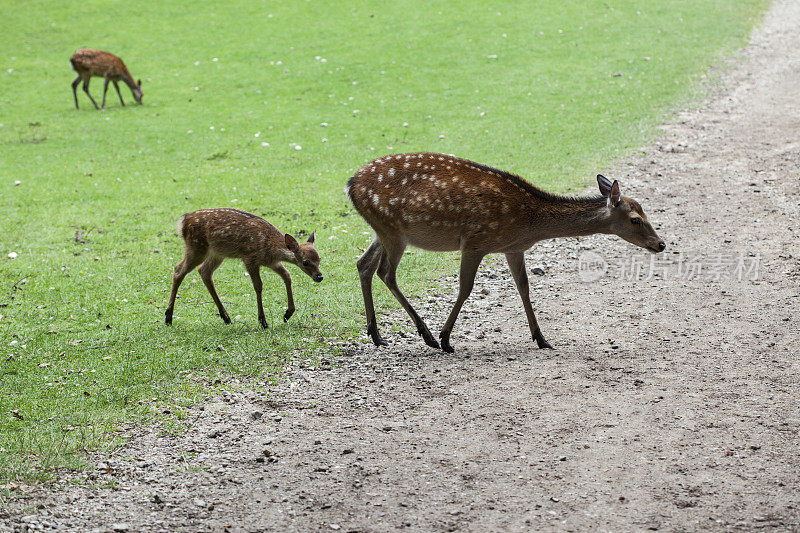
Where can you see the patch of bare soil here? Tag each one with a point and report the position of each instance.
(670, 403)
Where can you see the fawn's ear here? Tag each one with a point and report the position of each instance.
(291, 244)
(139, 83)
(311, 239)
(604, 184)
(613, 199)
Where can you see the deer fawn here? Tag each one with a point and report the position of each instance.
(212, 235)
(88, 62)
(442, 203)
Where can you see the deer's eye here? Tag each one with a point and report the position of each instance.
(636, 220)
(305, 263)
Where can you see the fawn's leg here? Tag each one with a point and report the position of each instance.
(516, 263)
(191, 258)
(105, 90)
(255, 276)
(287, 280)
(116, 86)
(206, 271)
(367, 265)
(86, 90)
(466, 280)
(75, 91)
(387, 271)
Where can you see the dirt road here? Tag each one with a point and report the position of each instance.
(670, 403)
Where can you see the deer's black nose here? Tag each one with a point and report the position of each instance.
(661, 246)
(318, 278)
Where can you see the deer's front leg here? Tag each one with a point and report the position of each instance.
(516, 263)
(255, 277)
(287, 280)
(466, 280)
(105, 90)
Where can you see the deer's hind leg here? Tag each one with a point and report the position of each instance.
(206, 272)
(191, 258)
(75, 90)
(387, 271)
(367, 265)
(86, 90)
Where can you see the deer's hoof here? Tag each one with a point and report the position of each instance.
(226, 319)
(430, 341)
(264, 324)
(543, 344)
(288, 315)
(446, 343)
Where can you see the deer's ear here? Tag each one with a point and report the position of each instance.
(604, 184)
(613, 199)
(311, 238)
(291, 244)
(139, 83)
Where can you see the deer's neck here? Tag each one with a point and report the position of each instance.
(129, 81)
(569, 217)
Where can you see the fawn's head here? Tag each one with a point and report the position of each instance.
(137, 92)
(626, 218)
(305, 255)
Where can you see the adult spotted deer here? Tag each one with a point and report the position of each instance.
(442, 203)
(211, 235)
(88, 62)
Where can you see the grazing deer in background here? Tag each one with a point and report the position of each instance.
(442, 203)
(88, 62)
(212, 235)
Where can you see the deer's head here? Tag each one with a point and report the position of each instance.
(626, 218)
(137, 92)
(305, 255)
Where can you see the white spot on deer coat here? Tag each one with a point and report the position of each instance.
(391, 171)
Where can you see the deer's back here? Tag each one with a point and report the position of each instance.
(229, 232)
(98, 63)
(439, 202)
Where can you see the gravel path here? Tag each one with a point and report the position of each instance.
(670, 403)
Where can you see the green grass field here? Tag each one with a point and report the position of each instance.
(551, 90)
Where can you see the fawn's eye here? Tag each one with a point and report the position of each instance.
(636, 220)
(305, 263)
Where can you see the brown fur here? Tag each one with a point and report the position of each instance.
(443, 203)
(88, 62)
(212, 235)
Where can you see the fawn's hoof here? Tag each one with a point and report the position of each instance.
(287, 315)
(427, 337)
(544, 344)
(377, 340)
(445, 339)
(226, 319)
(168, 317)
(430, 341)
